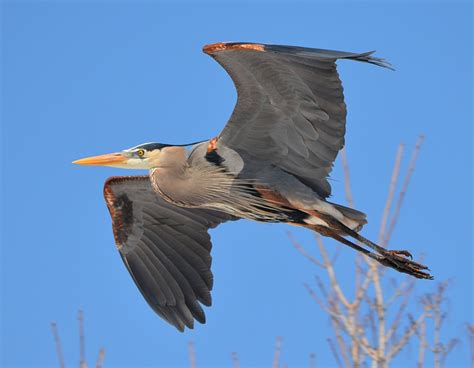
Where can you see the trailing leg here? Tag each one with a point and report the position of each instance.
(385, 257)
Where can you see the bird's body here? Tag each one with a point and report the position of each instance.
(269, 164)
(262, 192)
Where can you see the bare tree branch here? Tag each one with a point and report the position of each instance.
(334, 312)
(362, 289)
(370, 309)
(331, 273)
(57, 343)
(398, 345)
(406, 182)
(340, 341)
(356, 334)
(406, 292)
(433, 303)
(380, 310)
(421, 333)
(373, 267)
(371, 322)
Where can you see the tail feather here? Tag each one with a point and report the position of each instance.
(360, 218)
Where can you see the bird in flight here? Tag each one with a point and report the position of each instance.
(270, 163)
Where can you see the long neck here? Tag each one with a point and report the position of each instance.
(173, 159)
(173, 178)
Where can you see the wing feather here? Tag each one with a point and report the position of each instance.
(290, 108)
(165, 248)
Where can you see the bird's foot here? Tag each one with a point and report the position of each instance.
(398, 260)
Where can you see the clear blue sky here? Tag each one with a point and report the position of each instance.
(85, 77)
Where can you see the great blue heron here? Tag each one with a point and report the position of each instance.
(269, 164)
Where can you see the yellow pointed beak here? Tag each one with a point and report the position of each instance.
(102, 160)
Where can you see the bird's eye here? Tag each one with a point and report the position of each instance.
(140, 153)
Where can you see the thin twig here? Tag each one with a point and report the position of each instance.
(382, 357)
(397, 346)
(82, 344)
(357, 335)
(355, 351)
(312, 360)
(332, 346)
(100, 358)
(347, 178)
(358, 271)
(401, 289)
(380, 310)
(401, 309)
(336, 318)
(372, 273)
(276, 356)
(373, 327)
(340, 341)
(57, 342)
(406, 182)
(303, 251)
(332, 309)
(331, 273)
(192, 355)
(362, 289)
(421, 333)
(437, 348)
(447, 349)
(470, 331)
(391, 192)
(314, 296)
(235, 360)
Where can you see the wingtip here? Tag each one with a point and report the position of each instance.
(367, 57)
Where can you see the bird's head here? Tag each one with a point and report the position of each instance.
(144, 156)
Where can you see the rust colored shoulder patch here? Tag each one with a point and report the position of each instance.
(212, 145)
(221, 46)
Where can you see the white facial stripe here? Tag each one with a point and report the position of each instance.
(136, 147)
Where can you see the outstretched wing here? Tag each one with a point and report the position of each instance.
(290, 109)
(165, 248)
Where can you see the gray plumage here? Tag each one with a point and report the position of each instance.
(165, 248)
(270, 164)
(290, 109)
